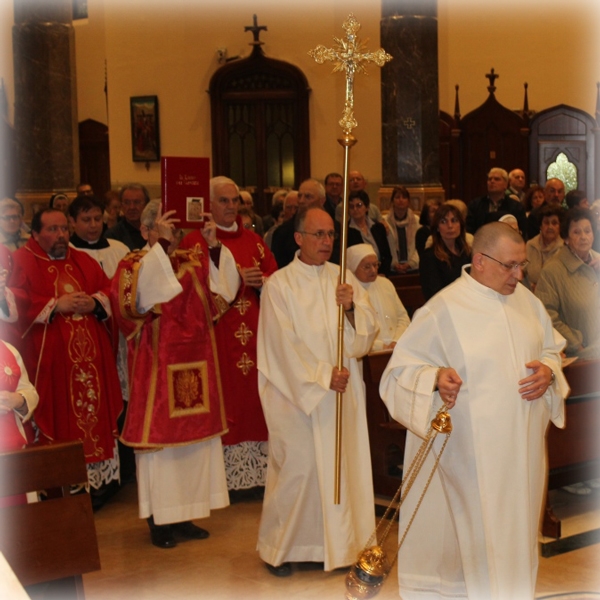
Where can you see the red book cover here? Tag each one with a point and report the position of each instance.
(185, 189)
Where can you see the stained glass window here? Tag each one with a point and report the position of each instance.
(564, 170)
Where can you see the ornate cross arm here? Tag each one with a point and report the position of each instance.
(349, 56)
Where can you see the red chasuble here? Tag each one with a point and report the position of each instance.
(11, 437)
(175, 395)
(68, 356)
(236, 337)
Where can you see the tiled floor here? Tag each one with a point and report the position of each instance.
(226, 566)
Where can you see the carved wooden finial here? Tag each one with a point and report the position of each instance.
(456, 105)
(526, 100)
(256, 29)
(492, 77)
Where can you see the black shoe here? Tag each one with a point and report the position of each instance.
(283, 570)
(162, 536)
(189, 531)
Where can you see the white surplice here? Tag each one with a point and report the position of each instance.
(183, 482)
(108, 258)
(475, 534)
(297, 349)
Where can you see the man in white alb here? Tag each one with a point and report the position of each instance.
(298, 381)
(485, 347)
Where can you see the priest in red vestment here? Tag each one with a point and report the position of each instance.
(62, 299)
(166, 301)
(244, 446)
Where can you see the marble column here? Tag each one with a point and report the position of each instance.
(409, 98)
(45, 99)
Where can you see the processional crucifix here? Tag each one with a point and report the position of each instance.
(348, 56)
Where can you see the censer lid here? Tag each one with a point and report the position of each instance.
(373, 561)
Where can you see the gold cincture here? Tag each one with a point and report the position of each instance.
(348, 56)
(367, 574)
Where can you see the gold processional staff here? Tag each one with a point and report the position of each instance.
(366, 576)
(349, 56)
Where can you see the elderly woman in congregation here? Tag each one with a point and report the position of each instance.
(392, 318)
(569, 286)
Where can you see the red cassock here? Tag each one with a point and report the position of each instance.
(175, 395)
(68, 356)
(236, 337)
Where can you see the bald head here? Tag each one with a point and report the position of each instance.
(489, 236)
(499, 258)
(554, 191)
(311, 193)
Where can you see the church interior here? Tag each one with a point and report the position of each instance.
(472, 85)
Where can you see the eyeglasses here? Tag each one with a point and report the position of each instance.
(356, 205)
(369, 266)
(321, 235)
(512, 267)
(10, 217)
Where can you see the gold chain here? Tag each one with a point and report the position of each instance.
(441, 424)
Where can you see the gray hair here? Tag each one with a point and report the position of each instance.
(216, 182)
(499, 171)
(134, 186)
(150, 213)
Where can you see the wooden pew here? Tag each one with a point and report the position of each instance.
(408, 288)
(56, 538)
(386, 436)
(574, 452)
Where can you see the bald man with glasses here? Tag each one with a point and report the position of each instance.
(298, 381)
(484, 348)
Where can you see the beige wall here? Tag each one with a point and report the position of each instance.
(168, 48)
(553, 46)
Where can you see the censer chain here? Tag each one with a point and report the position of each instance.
(406, 485)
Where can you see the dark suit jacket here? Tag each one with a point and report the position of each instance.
(283, 244)
(126, 233)
(479, 213)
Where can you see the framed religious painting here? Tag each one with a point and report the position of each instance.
(145, 138)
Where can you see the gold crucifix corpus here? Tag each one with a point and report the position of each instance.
(349, 56)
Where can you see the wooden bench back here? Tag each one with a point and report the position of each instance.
(55, 538)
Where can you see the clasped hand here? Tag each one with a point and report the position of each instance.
(535, 386)
(75, 302)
